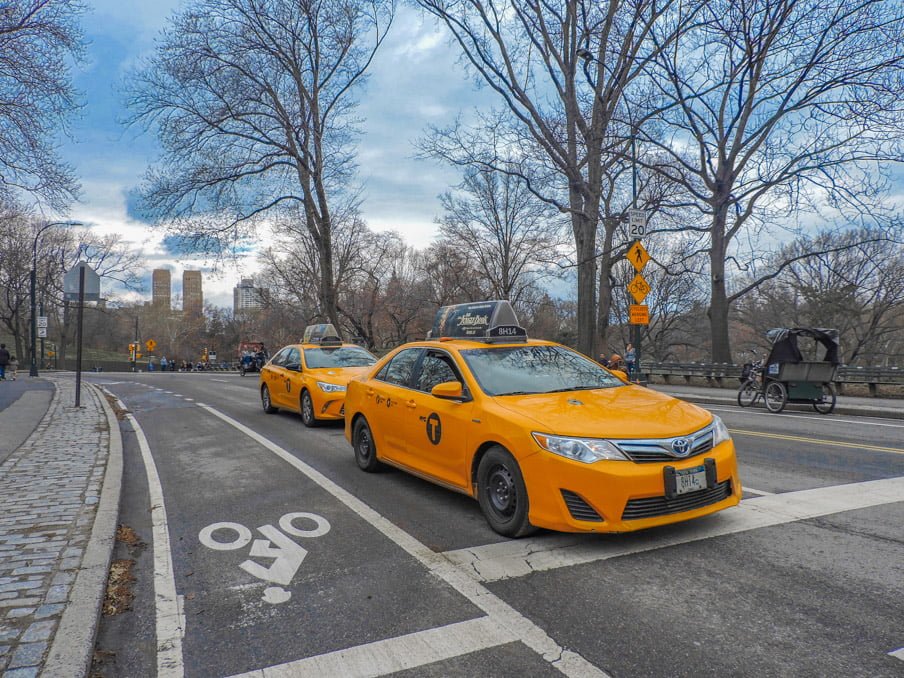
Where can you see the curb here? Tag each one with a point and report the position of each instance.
(73, 644)
(848, 410)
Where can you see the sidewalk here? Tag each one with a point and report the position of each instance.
(59, 498)
(848, 405)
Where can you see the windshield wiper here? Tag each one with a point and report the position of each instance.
(574, 388)
(517, 393)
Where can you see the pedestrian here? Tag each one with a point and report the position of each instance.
(603, 360)
(163, 364)
(4, 361)
(630, 358)
(13, 367)
(172, 365)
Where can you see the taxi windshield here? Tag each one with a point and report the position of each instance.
(521, 370)
(341, 356)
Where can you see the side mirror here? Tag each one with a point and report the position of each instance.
(295, 367)
(448, 390)
(621, 375)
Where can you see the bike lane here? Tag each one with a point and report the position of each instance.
(273, 566)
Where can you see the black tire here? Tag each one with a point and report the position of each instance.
(266, 403)
(829, 397)
(748, 393)
(502, 494)
(776, 396)
(306, 407)
(242, 371)
(365, 448)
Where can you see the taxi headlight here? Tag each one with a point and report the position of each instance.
(720, 431)
(587, 450)
(330, 388)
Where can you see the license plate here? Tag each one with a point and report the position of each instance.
(690, 480)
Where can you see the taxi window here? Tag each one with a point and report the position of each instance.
(436, 368)
(535, 369)
(280, 358)
(399, 369)
(293, 357)
(341, 356)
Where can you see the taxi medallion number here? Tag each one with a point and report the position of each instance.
(690, 480)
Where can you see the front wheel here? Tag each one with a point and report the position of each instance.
(307, 410)
(266, 403)
(748, 393)
(826, 404)
(242, 370)
(502, 494)
(776, 396)
(365, 448)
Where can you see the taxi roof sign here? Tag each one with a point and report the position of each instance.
(323, 333)
(489, 321)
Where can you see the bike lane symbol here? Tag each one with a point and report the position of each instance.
(286, 554)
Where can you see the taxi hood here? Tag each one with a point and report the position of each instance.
(337, 375)
(621, 412)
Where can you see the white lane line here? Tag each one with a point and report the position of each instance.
(506, 560)
(191, 400)
(761, 493)
(500, 613)
(792, 415)
(222, 381)
(170, 623)
(396, 654)
(897, 654)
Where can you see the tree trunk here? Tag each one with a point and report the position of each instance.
(585, 241)
(718, 303)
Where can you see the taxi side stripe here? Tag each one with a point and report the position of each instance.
(818, 441)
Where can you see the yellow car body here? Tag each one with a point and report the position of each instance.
(311, 378)
(422, 428)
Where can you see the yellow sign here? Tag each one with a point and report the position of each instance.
(639, 288)
(638, 256)
(638, 315)
(151, 344)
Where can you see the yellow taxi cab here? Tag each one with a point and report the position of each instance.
(310, 377)
(539, 434)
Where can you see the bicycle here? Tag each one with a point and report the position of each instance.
(751, 388)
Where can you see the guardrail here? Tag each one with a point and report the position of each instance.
(716, 373)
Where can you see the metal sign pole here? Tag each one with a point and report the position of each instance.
(78, 354)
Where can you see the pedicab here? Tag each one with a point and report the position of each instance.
(788, 375)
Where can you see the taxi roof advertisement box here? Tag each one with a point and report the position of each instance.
(472, 320)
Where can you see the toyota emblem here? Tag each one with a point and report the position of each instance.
(681, 447)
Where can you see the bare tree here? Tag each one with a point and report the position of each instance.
(506, 232)
(557, 114)
(38, 39)
(777, 107)
(253, 102)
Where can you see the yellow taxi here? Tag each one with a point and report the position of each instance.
(310, 377)
(539, 434)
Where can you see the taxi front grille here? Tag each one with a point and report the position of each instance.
(342, 411)
(658, 450)
(650, 507)
(580, 509)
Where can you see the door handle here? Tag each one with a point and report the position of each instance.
(369, 392)
(411, 404)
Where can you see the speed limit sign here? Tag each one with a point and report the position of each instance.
(637, 224)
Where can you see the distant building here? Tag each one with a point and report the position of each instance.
(246, 297)
(192, 296)
(161, 288)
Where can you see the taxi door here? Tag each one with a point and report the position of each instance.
(271, 375)
(387, 394)
(291, 380)
(437, 429)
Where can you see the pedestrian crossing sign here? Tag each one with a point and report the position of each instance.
(638, 256)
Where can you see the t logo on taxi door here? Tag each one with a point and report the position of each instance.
(434, 428)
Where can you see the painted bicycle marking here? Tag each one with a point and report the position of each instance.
(287, 555)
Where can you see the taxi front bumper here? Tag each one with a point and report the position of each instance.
(624, 496)
(329, 406)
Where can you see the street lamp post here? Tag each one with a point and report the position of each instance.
(33, 370)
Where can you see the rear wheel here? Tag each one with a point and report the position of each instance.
(307, 410)
(748, 392)
(365, 449)
(266, 403)
(502, 494)
(826, 404)
(776, 396)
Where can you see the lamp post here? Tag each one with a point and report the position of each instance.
(33, 370)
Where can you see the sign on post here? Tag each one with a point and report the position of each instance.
(639, 288)
(637, 223)
(42, 332)
(151, 345)
(638, 256)
(92, 283)
(42, 321)
(638, 314)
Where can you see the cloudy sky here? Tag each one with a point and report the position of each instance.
(415, 81)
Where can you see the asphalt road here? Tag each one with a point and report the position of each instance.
(805, 578)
